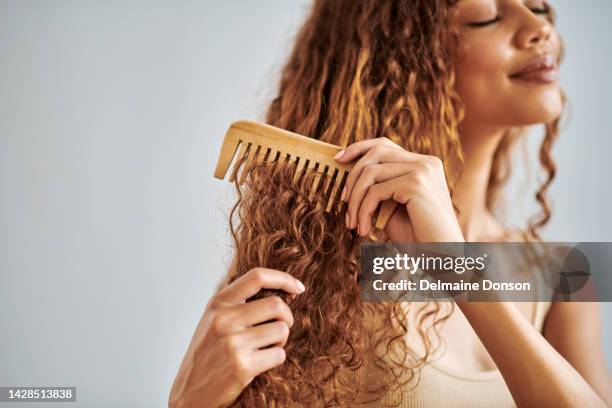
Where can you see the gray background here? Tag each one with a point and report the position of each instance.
(113, 232)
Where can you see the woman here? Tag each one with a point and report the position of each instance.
(428, 97)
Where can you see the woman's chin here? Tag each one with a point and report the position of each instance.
(541, 107)
(541, 115)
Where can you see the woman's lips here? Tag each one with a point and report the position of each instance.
(545, 75)
(541, 70)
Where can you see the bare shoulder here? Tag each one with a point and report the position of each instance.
(574, 330)
(565, 317)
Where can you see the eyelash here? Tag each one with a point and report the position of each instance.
(543, 11)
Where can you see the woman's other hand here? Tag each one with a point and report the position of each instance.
(226, 352)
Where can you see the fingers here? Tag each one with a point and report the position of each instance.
(255, 280)
(397, 188)
(371, 175)
(274, 333)
(377, 154)
(376, 164)
(357, 149)
(266, 359)
(247, 362)
(259, 311)
(245, 351)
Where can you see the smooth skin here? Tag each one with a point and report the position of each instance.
(562, 368)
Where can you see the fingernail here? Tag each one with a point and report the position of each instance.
(346, 219)
(343, 195)
(358, 229)
(300, 286)
(339, 154)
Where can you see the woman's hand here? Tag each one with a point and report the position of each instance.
(225, 352)
(385, 170)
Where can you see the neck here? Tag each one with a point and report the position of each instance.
(470, 192)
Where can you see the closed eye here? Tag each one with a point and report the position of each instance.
(539, 11)
(485, 23)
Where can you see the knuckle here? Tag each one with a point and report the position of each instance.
(282, 329)
(373, 190)
(288, 317)
(423, 167)
(389, 142)
(436, 160)
(277, 304)
(231, 345)
(258, 275)
(434, 163)
(241, 369)
(218, 323)
(282, 355)
(291, 319)
(377, 149)
(213, 303)
(420, 179)
(369, 170)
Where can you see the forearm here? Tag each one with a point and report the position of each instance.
(536, 374)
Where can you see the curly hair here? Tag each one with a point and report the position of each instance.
(359, 69)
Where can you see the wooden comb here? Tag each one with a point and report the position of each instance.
(255, 140)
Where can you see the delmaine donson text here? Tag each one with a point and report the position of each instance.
(438, 264)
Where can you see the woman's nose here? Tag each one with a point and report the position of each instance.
(533, 30)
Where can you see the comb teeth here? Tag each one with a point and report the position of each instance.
(256, 142)
(338, 178)
(262, 151)
(241, 153)
(329, 180)
(301, 163)
(317, 179)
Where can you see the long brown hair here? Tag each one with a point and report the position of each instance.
(359, 69)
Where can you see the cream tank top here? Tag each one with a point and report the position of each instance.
(443, 387)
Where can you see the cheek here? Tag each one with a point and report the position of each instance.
(482, 76)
